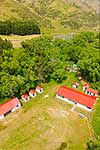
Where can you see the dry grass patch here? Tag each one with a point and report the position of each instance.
(16, 39)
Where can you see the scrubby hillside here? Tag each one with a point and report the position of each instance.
(11, 9)
(57, 16)
(86, 4)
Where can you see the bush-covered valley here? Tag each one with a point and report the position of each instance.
(44, 59)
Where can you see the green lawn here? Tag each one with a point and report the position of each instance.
(44, 124)
(96, 119)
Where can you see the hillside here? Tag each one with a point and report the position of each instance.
(86, 4)
(53, 16)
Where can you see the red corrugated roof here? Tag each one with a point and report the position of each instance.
(25, 95)
(39, 87)
(77, 96)
(32, 91)
(7, 106)
(92, 91)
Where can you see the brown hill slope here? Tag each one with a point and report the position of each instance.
(54, 16)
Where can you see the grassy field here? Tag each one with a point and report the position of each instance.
(44, 124)
(96, 119)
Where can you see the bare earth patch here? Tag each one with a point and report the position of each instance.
(16, 40)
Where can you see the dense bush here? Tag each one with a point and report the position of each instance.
(38, 61)
(4, 44)
(18, 28)
(93, 145)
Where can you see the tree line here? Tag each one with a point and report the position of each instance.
(18, 27)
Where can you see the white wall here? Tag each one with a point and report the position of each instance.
(89, 93)
(32, 95)
(39, 91)
(65, 99)
(25, 99)
(83, 107)
(84, 88)
(92, 94)
(79, 105)
(15, 108)
(1, 117)
(74, 86)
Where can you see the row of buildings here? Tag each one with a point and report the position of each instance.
(32, 93)
(14, 104)
(84, 100)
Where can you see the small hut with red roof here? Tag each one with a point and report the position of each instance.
(32, 93)
(79, 76)
(39, 89)
(75, 84)
(75, 68)
(68, 69)
(85, 86)
(25, 97)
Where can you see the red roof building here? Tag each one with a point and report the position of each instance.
(89, 90)
(76, 97)
(39, 89)
(9, 106)
(68, 69)
(75, 84)
(79, 76)
(25, 97)
(32, 93)
(86, 85)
